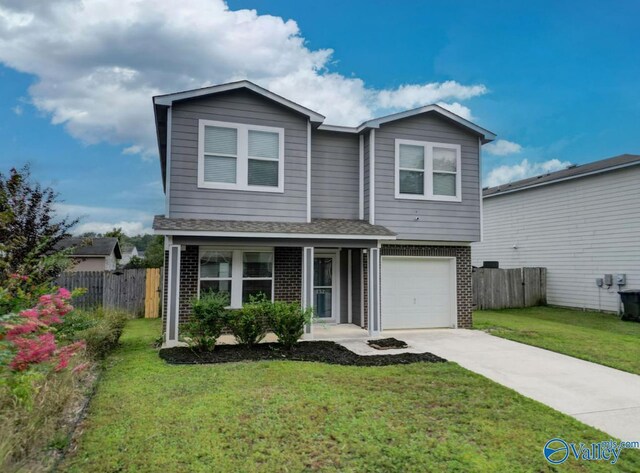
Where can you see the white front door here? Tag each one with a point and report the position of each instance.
(325, 286)
(418, 292)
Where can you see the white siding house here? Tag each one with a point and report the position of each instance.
(580, 223)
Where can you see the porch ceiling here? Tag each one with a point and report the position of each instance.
(322, 228)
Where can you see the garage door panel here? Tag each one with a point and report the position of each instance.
(417, 292)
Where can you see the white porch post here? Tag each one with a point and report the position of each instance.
(173, 296)
(307, 284)
(373, 268)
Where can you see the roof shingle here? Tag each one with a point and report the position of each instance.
(320, 227)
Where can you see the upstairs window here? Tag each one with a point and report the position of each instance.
(240, 157)
(427, 171)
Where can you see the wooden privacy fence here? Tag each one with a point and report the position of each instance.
(134, 290)
(509, 288)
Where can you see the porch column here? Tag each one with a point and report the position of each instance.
(373, 276)
(307, 283)
(173, 296)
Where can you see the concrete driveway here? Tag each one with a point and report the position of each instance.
(602, 397)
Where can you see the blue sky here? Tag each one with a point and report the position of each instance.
(557, 83)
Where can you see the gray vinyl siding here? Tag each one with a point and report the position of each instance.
(438, 221)
(579, 230)
(344, 286)
(334, 175)
(355, 286)
(365, 178)
(186, 200)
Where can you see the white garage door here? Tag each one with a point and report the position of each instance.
(417, 292)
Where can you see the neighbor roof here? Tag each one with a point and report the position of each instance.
(163, 102)
(571, 172)
(326, 228)
(91, 247)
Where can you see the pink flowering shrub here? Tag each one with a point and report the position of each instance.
(30, 338)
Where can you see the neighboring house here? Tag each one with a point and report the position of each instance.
(371, 225)
(92, 254)
(580, 223)
(128, 252)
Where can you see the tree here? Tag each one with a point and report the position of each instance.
(117, 233)
(154, 254)
(29, 229)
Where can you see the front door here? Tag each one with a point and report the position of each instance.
(324, 287)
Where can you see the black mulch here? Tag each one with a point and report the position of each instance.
(387, 344)
(321, 351)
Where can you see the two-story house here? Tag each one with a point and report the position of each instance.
(370, 225)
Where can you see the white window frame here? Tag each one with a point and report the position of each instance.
(428, 171)
(242, 157)
(237, 278)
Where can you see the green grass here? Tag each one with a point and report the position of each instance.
(592, 336)
(294, 416)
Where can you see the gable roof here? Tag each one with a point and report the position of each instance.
(485, 134)
(571, 172)
(168, 99)
(162, 103)
(92, 247)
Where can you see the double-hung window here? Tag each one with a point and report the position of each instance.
(427, 171)
(240, 273)
(240, 157)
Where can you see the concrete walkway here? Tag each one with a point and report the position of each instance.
(602, 397)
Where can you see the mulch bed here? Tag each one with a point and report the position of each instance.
(320, 351)
(387, 344)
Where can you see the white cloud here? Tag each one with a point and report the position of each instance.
(504, 174)
(103, 219)
(410, 96)
(18, 110)
(502, 148)
(458, 109)
(98, 63)
(129, 228)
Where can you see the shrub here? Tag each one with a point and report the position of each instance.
(99, 328)
(287, 320)
(208, 318)
(249, 324)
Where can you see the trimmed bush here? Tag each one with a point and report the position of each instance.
(249, 324)
(287, 320)
(99, 328)
(208, 318)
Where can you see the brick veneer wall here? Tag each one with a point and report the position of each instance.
(188, 283)
(165, 291)
(365, 290)
(287, 271)
(463, 272)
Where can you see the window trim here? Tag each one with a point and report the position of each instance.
(242, 157)
(428, 171)
(237, 277)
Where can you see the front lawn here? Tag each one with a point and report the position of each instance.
(592, 336)
(302, 416)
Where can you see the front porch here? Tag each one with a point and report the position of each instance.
(334, 280)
